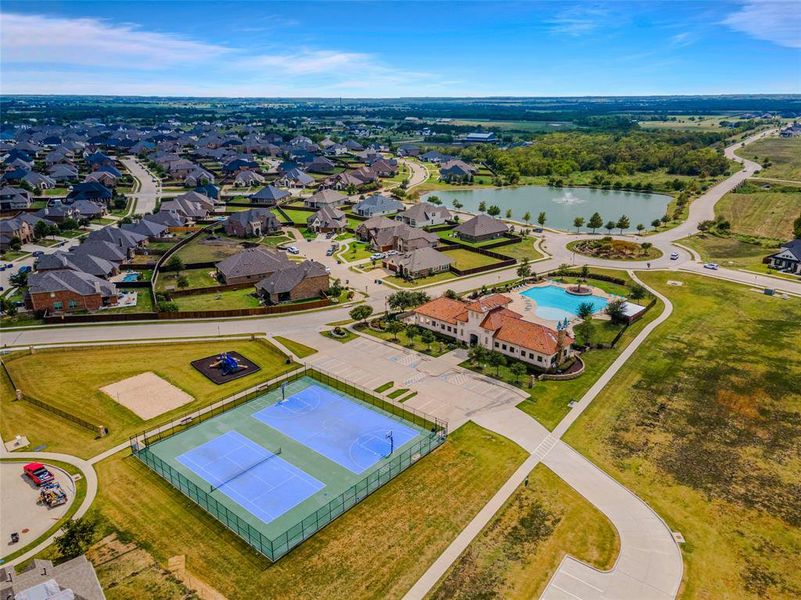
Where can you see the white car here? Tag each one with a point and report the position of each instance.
(674, 256)
(377, 256)
(713, 266)
(292, 250)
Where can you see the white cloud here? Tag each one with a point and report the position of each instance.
(777, 22)
(92, 42)
(578, 20)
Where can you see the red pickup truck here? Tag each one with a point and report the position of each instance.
(38, 473)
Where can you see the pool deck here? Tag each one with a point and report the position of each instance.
(525, 306)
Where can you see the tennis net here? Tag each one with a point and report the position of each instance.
(272, 454)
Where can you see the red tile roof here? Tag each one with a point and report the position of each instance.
(443, 309)
(531, 336)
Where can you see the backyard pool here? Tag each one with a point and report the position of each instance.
(555, 304)
(128, 277)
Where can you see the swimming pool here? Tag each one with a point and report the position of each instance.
(130, 277)
(555, 304)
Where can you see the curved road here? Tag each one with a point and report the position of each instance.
(149, 191)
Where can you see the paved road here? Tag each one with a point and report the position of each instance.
(419, 173)
(149, 186)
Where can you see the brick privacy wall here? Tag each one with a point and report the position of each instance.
(44, 301)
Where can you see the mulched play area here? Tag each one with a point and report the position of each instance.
(225, 367)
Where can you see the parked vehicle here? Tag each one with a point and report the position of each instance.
(38, 253)
(52, 495)
(377, 256)
(25, 269)
(713, 266)
(330, 251)
(674, 256)
(292, 250)
(37, 473)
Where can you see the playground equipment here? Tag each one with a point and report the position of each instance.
(227, 364)
(52, 495)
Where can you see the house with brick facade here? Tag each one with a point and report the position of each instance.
(253, 222)
(251, 265)
(299, 281)
(481, 228)
(488, 323)
(67, 290)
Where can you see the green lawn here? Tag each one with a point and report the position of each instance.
(431, 279)
(348, 336)
(464, 259)
(298, 349)
(198, 278)
(276, 240)
(384, 387)
(783, 153)
(766, 214)
(437, 348)
(10, 255)
(202, 250)
(728, 251)
(144, 303)
(525, 250)
(71, 380)
(394, 394)
(520, 549)
(355, 251)
(298, 217)
(376, 550)
(222, 300)
(613, 249)
(703, 422)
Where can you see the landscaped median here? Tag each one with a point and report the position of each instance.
(607, 248)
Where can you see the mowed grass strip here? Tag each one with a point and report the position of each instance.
(520, 549)
(704, 423)
(464, 259)
(298, 349)
(377, 550)
(384, 387)
(71, 379)
(763, 214)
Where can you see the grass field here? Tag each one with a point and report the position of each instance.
(71, 380)
(222, 300)
(764, 213)
(783, 153)
(202, 250)
(728, 251)
(198, 278)
(516, 554)
(465, 259)
(298, 349)
(430, 280)
(377, 550)
(525, 250)
(698, 123)
(703, 422)
(517, 126)
(355, 251)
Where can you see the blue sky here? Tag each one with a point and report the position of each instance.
(390, 49)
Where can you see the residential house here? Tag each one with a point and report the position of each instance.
(424, 214)
(105, 250)
(58, 212)
(296, 178)
(408, 150)
(124, 239)
(269, 195)
(62, 173)
(325, 197)
(481, 228)
(39, 181)
(66, 290)
(89, 210)
(148, 228)
(320, 164)
(248, 179)
(436, 157)
(376, 205)
(192, 205)
(421, 262)
(787, 259)
(488, 323)
(168, 218)
(77, 261)
(105, 178)
(254, 222)
(299, 281)
(12, 198)
(251, 265)
(197, 177)
(456, 171)
(42, 580)
(90, 190)
(14, 228)
(385, 234)
(328, 218)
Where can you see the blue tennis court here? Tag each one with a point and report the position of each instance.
(343, 431)
(255, 478)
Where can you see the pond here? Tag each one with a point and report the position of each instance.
(561, 205)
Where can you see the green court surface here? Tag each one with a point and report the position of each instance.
(333, 453)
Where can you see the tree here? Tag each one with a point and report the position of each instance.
(656, 223)
(182, 281)
(41, 229)
(434, 200)
(524, 270)
(584, 332)
(646, 246)
(493, 211)
(578, 222)
(482, 207)
(175, 263)
(19, 279)
(616, 311)
(451, 294)
(167, 306)
(541, 218)
(610, 225)
(623, 223)
(518, 370)
(77, 537)
(508, 213)
(637, 292)
(477, 354)
(497, 360)
(428, 338)
(361, 312)
(456, 204)
(595, 222)
(585, 310)
(640, 227)
(394, 327)
(527, 218)
(404, 300)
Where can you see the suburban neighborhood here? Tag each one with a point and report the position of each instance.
(296, 308)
